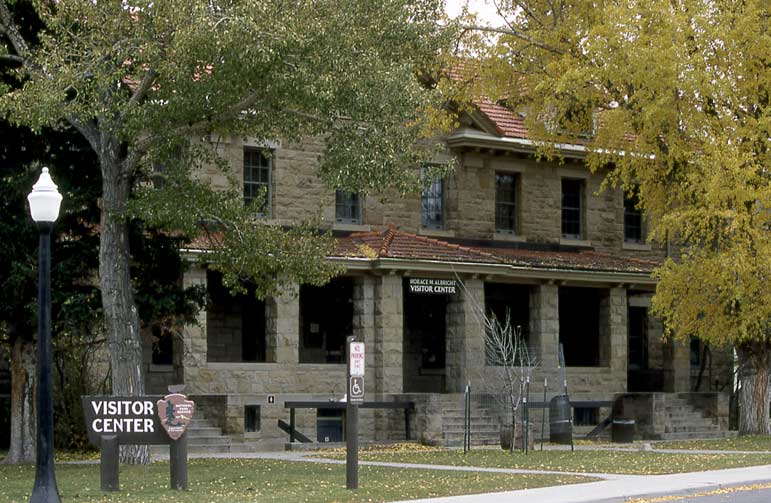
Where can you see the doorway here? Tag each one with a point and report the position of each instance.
(425, 342)
(640, 377)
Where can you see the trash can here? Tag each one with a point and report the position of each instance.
(622, 431)
(560, 424)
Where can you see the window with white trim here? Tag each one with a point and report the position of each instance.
(572, 208)
(506, 203)
(257, 174)
(432, 206)
(633, 221)
(347, 207)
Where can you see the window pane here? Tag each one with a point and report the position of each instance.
(257, 169)
(347, 208)
(571, 208)
(431, 211)
(632, 220)
(505, 203)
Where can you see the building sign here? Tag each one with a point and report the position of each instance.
(432, 286)
(356, 359)
(150, 420)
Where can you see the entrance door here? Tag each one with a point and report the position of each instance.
(425, 341)
(639, 376)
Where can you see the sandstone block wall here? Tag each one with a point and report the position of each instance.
(469, 191)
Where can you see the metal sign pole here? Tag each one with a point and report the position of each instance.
(543, 414)
(351, 424)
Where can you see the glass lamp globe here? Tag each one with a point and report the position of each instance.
(44, 200)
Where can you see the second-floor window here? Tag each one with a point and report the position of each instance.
(257, 173)
(347, 207)
(572, 198)
(432, 206)
(506, 203)
(633, 222)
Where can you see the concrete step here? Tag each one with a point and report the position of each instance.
(203, 432)
(213, 440)
(693, 435)
(695, 429)
(454, 440)
(452, 421)
(478, 434)
(198, 423)
(693, 422)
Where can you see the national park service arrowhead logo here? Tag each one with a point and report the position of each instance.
(175, 412)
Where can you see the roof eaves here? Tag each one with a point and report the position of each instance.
(537, 273)
(473, 138)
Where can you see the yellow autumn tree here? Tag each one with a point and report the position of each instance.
(674, 97)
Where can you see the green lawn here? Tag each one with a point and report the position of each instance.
(745, 443)
(236, 480)
(587, 461)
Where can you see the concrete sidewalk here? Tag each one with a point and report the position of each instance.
(613, 488)
(620, 487)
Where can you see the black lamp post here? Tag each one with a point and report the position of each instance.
(44, 202)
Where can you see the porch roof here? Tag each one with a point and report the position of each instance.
(392, 243)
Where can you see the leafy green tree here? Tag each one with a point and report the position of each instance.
(672, 97)
(139, 79)
(75, 258)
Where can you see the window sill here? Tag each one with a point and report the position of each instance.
(339, 226)
(584, 243)
(502, 236)
(636, 246)
(439, 233)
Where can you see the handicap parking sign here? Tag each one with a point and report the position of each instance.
(356, 389)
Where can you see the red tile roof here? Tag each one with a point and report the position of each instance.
(509, 123)
(393, 243)
(574, 259)
(396, 244)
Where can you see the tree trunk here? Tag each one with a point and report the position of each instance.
(22, 448)
(754, 360)
(120, 311)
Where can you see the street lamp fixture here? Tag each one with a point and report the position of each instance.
(44, 203)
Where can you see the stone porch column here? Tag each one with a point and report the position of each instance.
(680, 364)
(364, 326)
(545, 326)
(282, 327)
(465, 356)
(388, 334)
(613, 322)
(189, 353)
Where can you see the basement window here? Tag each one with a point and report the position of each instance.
(586, 416)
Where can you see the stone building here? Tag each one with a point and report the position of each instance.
(539, 240)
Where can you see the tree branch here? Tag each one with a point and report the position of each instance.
(10, 30)
(88, 130)
(143, 87)
(514, 33)
(11, 58)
